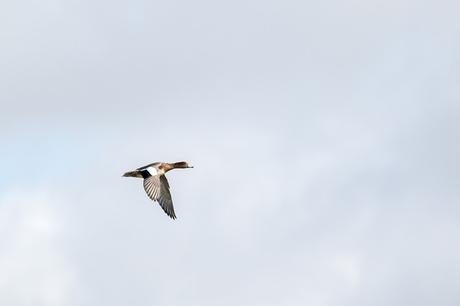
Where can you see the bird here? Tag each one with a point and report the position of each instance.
(155, 183)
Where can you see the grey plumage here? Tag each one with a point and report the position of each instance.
(157, 188)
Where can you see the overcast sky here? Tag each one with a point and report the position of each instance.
(324, 137)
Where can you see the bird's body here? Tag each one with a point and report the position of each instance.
(155, 183)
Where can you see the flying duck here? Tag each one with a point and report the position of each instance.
(155, 183)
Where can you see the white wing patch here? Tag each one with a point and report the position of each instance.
(152, 170)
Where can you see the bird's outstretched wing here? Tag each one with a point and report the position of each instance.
(157, 188)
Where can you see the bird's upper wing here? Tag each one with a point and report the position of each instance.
(157, 188)
(149, 165)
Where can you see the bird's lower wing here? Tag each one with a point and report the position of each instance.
(157, 188)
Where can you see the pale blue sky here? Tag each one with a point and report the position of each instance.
(323, 135)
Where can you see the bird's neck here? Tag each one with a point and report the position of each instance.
(165, 167)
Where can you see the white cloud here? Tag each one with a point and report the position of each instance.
(324, 136)
(34, 270)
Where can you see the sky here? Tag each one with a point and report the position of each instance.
(324, 137)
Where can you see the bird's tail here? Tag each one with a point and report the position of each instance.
(133, 174)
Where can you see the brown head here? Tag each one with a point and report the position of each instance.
(181, 164)
(167, 166)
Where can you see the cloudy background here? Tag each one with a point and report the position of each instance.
(324, 137)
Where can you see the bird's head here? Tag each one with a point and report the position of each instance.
(182, 164)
